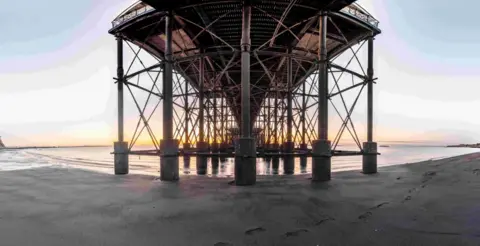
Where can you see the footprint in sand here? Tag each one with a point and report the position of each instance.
(295, 233)
(365, 216)
(223, 244)
(254, 230)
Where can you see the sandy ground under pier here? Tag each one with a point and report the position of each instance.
(428, 203)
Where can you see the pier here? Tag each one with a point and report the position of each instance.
(246, 79)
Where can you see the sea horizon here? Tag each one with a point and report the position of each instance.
(100, 159)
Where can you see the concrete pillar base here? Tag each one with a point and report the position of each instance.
(321, 161)
(215, 165)
(275, 165)
(304, 146)
(261, 152)
(186, 158)
(369, 164)
(288, 165)
(288, 161)
(274, 148)
(224, 147)
(169, 160)
(303, 161)
(245, 162)
(120, 150)
(215, 147)
(288, 147)
(202, 147)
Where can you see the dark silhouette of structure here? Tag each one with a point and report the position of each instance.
(246, 79)
(2, 145)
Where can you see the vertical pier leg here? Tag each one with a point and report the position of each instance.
(215, 145)
(370, 147)
(288, 160)
(120, 148)
(186, 144)
(168, 146)
(245, 150)
(304, 146)
(202, 146)
(321, 166)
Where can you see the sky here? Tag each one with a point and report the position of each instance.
(57, 65)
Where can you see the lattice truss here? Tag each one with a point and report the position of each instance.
(271, 88)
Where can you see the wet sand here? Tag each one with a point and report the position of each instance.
(427, 203)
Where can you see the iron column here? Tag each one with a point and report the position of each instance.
(321, 168)
(370, 90)
(288, 161)
(245, 151)
(120, 147)
(186, 145)
(304, 112)
(370, 147)
(120, 74)
(202, 146)
(289, 97)
(245, 76)
(201, 106)
(168, 146)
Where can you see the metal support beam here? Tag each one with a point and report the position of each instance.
(304, 112)
(120, 76)
(321, 168)
(370, 91)
(120, 147)
(245, 76)
(201, 100)
(187, 114)
(369, 165)
(323, 81)
(245, 151)
(289, 97)
(169, 170)
(168, 82)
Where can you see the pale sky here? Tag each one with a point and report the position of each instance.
(57, 63)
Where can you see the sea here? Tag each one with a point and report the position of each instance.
(100, 159)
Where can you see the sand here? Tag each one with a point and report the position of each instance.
(428, 203)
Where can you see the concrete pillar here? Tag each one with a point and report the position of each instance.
(215, 165)
(321, 149)
(289, 160)
(370, 148)
(169, 170)
(186, 157)
(245, 150)
(168, 146)
(304, 147)
(275, 165)
(120, 158)
(202, 161)
(120, 148)
(215, 147)
(303, 161)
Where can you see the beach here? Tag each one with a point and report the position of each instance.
(427, 203)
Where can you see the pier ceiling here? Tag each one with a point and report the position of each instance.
(212, 30)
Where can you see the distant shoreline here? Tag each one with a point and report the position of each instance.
(53, 147)
(464, 146)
